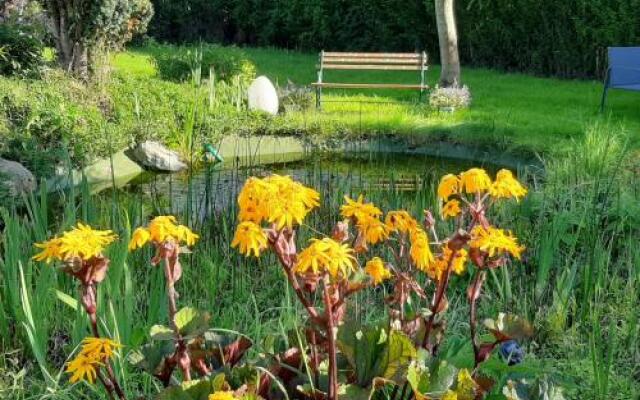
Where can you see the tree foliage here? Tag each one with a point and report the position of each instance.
(81, 26)
(549, 37)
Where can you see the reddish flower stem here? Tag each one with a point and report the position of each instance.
(180, 356)
(331, 335)
(474, 292)
(440, 291)
(90, 302)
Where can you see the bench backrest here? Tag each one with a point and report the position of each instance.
(374, 61)
(624, 66)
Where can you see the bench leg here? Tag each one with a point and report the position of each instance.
(604, 98)
(606, 89)
(318, 98)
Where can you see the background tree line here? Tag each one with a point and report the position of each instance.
(549, 37)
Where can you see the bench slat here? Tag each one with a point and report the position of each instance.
(352, 60)
(373, 67)
(370, 86)
(375, 55)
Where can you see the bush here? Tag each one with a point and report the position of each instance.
(21, 51)
(178, 64)
(295, 98)
(450, 97)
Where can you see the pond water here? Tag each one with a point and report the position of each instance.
(214, 189)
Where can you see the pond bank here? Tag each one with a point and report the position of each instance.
(244, 151)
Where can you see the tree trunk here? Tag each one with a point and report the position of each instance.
(448, 39)
(73, 55)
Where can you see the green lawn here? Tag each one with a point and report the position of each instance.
(510, 111)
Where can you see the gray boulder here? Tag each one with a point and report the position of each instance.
(155, 156)
(15, 178)
(263, 96)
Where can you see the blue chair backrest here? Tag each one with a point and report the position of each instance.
(624, 64)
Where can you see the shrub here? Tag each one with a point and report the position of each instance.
(295, 98)
(450, 97)
(21, 51)
(178, 64)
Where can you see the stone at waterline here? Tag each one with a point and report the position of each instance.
(263, 96)
(155, 156)
(15, 178)
(100, 175)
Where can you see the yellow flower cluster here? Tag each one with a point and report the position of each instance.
(367, 219)
(276, 199)
(506, 186)
(93, 353)
(476, 180)
(328, 256)
(458, 263)
(250, 239)
(401, 221)
(162, 229)
(495, 241)
(377, 271)
(80, 242)
(222, 395)
(451, 209)
(420, 251)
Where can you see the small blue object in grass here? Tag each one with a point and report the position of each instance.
(511, 352)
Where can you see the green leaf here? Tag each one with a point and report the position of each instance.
(353, 392)
(397, 356)
(191, 322)
(151, 356)
(192, 390)
(161, 332)
(442, 378)
(509, 326)
(418, 377)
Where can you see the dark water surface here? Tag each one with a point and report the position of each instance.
(213, 189)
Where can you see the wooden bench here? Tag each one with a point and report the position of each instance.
(370, 61)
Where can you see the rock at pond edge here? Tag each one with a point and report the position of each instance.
(263, 96)
(15, 178)
(154, 155)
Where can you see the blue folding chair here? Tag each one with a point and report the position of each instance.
(623, 71)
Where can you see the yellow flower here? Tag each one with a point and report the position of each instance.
(451, 209)
(449, 185)
(358, 208)
(466, 386)
(495, 241)
(222, 395)
(326, 255)
(458, 264)
(249, 238)
(475, 180)
(99, 348)
(139, 238)
(377, 271)
(81, 241)
(506, 186)
(276, 199)
(420, 251)
(450, 395)
(161, 229)
(253, 199)
(83, 367)
(401, 221)
(373, 230)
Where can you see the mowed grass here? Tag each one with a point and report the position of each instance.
(510, 112)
